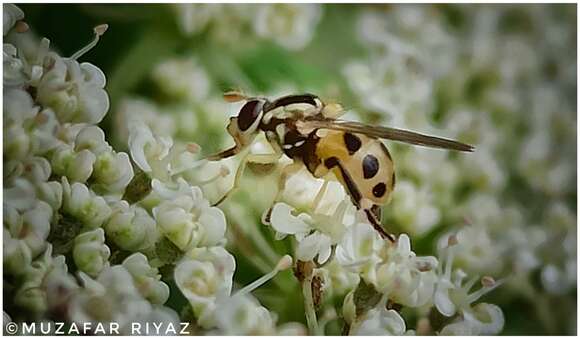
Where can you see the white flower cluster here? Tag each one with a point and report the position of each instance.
(61, 184)
(289, 25)
(465, 80)
(87, 234)
(320, 216)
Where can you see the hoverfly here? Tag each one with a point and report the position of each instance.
(309, 132)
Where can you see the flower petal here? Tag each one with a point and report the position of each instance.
(284, 222)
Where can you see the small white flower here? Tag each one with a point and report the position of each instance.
(46, 283)
(148, 151)
(243, 315)
(74, 91)
(482, 171)
(77, 166)
(112, 172)
(16, 254)
(25, 234)
(359, 250)
(474, 127)
(379, 321)
(44, 132)
(328, 213)
(130, 227)
(16, 142)
(35, 169)
(486, 319)
(390, 87)
(557, 280)
(453, 296)
(146, 278)
(90, 156)
(113, 297)
(90, 253)
(11, 14)
(475, 250)
(315, 233)
(14, 74)
(21, 195)
(161, 191)
(31, 55)
(203, 275)
(290, 25)
(406, 278)
(192, 18)
(338, 279)
(51, 193)
(189, 221)
(84, 205)
(18, 106)
(182, 79)
(134, 110)
(413, 208)
(292, 329)
(90, 138)
(301, 191)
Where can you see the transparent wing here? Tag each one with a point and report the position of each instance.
(388, 133)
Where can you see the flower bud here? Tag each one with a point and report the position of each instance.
(51, 193)
(188, 221)
(75, 166)
(90, 253)
(84, 205)
(146, 278)
(112, 172)
(131, 228)
(202, 276)
(12, 14)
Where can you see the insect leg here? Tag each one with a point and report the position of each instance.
(377, 211)
(259, 158)
(230, 152)
(356, 197)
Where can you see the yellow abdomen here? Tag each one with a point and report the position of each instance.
(362, 164)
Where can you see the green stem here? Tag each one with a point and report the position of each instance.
(257, 237)
(309, 305)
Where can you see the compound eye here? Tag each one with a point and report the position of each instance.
(248, 114)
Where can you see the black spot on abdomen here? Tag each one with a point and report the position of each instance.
(370, 166)
(379, 190)
(352, 143)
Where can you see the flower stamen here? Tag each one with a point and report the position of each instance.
(489, 284)
(283, 264)
(99, 31)
(319, 195)
(222, 173)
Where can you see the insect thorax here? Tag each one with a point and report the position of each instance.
(288, 138)
(279, 124)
